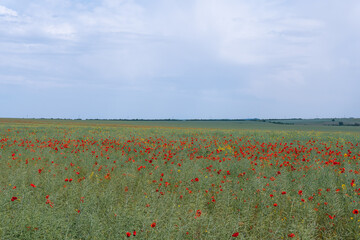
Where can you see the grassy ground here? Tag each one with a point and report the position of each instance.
(299, 125)
(100, 180)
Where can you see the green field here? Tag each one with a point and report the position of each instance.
(329, 125)
(98, 179)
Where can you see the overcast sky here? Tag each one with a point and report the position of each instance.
(179, 59)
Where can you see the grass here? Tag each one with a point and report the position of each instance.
(323, 125)
(193, 183)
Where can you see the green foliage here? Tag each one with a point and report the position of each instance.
(115, 188)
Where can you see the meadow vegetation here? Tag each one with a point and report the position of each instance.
(93, 180)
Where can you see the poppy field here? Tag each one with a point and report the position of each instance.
(104, 182)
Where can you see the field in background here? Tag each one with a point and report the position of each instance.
(72, 179)
(329, 125)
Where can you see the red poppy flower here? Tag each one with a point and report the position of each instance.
(198, 213)
(196, 179)
(356, 211)
(235, 234)
(300, 192)
(128, 234)
(14, 198)
(271, 195)
(134, 233)
(291, 235)
(283, 193)
(275, 204)
(32, 185)
(153, 224)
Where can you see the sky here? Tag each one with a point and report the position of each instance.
(160, 59)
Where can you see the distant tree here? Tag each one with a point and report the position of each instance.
(341, 123)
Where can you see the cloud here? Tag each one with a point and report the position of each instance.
(39, 83)
(61, 31)
(4, 11)
(231, 53)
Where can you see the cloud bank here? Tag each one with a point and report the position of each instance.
(179, 59)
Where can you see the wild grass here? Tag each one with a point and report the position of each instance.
(125, 179)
